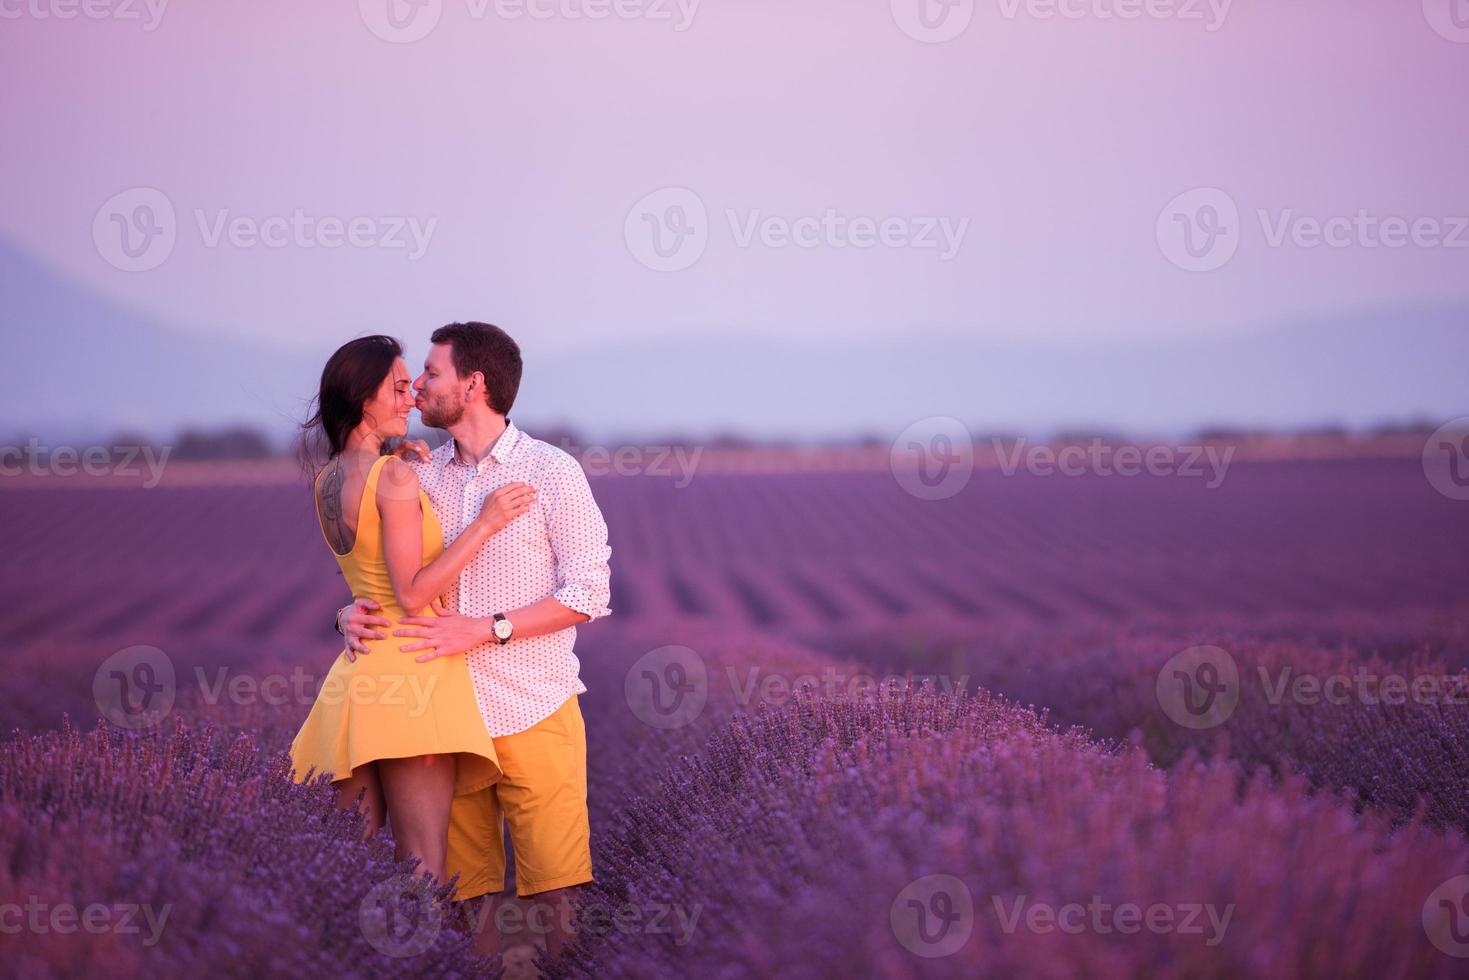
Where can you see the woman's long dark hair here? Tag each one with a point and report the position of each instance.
(352, 376)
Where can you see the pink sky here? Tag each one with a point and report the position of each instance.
(1058, 140)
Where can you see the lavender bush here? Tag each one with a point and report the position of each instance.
(798, 841)
(1403, 757)
(207, 860)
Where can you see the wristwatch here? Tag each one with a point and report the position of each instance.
(502, 628)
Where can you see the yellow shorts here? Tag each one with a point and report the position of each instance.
(542, 795)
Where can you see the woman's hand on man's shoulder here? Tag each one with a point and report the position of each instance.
(414, 451)
(398, 481)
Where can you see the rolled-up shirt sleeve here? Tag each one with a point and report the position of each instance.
(578, 540)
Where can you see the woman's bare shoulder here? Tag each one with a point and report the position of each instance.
(397, 482)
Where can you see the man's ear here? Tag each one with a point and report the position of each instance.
(476, 386)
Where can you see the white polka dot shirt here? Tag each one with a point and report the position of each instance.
(558, 548)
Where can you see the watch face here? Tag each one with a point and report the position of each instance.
(502, 629)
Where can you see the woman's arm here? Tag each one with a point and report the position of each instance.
(414, 583)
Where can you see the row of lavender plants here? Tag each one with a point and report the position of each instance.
(932, 836)
(909, 835)
(188, 851)
(197, 854)
(1339, 705)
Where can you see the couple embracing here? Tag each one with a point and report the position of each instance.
(470, 568)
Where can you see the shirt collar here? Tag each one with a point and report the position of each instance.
(500, 452)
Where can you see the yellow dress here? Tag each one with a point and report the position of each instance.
(384, 704)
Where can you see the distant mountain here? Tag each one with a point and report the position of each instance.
(83, 367)
(1355, 371)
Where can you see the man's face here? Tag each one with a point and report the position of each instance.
(441, 392)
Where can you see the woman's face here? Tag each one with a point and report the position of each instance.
(386, 413)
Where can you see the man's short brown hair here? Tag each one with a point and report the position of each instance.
(485, 348)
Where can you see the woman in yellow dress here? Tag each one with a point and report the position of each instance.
(404, 735)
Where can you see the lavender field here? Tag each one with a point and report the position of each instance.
(1047, 727)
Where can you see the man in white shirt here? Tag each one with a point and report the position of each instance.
(513, 616)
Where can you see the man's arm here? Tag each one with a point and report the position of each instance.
(579, 544)
(578, 536)
(448, 633)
